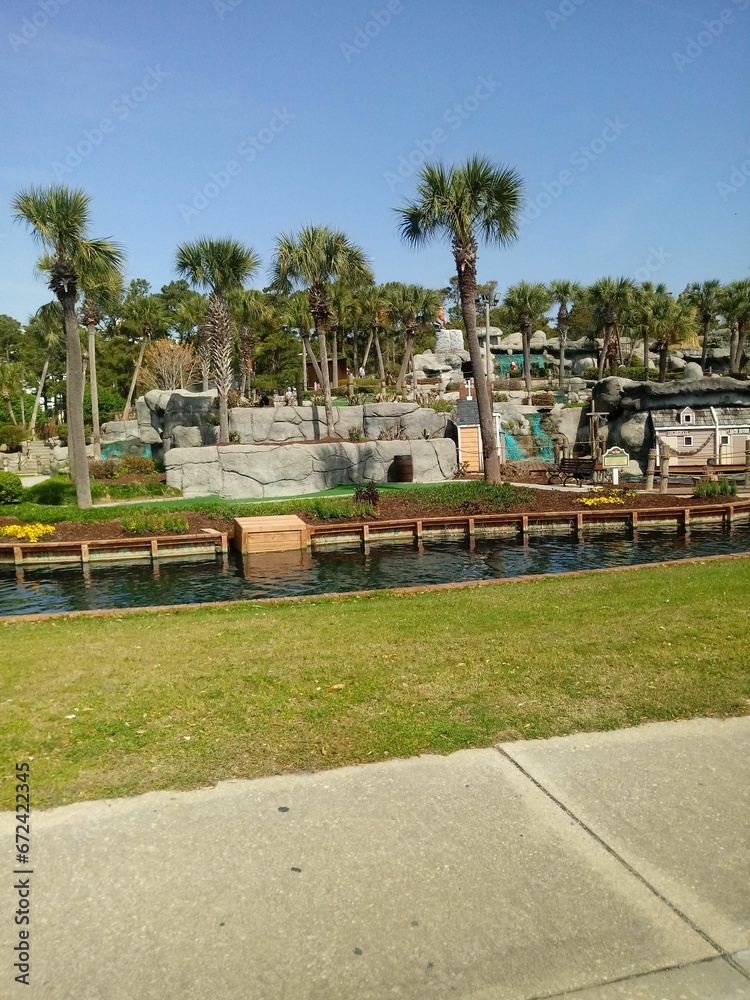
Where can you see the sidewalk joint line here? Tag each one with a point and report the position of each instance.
(633, 871)
(623, 979)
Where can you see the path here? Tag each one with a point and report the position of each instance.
(606, 866)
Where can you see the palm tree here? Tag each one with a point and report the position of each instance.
(464, 204)
(297, 316)
(59, 219)
(190, 322)
(220, 266)
(563, 293)
(609, 298)
(313, 260)
(734, 305)
(639, 312)
(408, 307)
(372, 304)
(527, 303)
(704, 298)
(145, 314)
(11, 383)
(248, 307)
(49, 322)
(671, 324)
(96, 297)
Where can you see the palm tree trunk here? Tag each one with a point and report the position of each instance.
(9, 406)
(134, 380)
(741, 334)
(704, 353)
(96, 431)
(77, 460)
(204, 356)
(221, 355)
(646, 358)
(663, 350)
(368, 345)
(526, 339)
(355, 352)
(313, 359)
(605, 352)
(335, 357)
(379, 356)
(42, 378)
(325, 381)
(409, 343)
(467, 286)
(561, 375)
(734, 352)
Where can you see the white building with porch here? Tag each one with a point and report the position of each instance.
(700, 436)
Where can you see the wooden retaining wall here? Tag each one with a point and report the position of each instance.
(209, 543)
(524, 525)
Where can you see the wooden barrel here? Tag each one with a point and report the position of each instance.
(402, 470)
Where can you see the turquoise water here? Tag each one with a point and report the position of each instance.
(513, 452)
(542, 440)
(503, 362)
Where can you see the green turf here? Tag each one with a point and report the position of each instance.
(262, 689)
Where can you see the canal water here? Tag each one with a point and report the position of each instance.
(385, 565)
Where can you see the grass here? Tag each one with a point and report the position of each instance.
(188, 698)
(336, 502)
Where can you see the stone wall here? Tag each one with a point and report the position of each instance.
(188, 420)
(237, 472)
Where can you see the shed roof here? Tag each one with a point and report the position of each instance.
(728, 416)
(467, 413)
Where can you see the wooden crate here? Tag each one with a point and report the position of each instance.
(281, 533)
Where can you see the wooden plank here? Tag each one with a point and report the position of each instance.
(84, 552)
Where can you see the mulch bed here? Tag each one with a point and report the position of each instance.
(392, 507)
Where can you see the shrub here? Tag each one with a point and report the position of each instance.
(27, 532)
(499, 397)
(543, 399)
(137, 465)
(441, 406)
(62, 433)
(153, 523)
(716, 488)
(106, 469)
(11, 488)
(12, 436)
(53, 492)
(109, 401)
(392, 434)
(355, 434)
(367, 494)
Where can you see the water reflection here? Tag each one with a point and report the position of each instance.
(381, 566)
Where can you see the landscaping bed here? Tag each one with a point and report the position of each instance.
(457, 498)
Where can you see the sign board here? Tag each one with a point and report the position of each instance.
(615, 458)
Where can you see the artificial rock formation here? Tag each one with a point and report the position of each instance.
(182, 419)
(628, 404)
(237, 472)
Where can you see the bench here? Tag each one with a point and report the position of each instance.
(578, 469)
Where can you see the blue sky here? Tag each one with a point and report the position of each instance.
(627, 121)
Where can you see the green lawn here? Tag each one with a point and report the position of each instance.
(188, 698)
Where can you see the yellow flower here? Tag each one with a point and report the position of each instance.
(27, 532)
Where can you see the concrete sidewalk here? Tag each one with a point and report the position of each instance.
(610, 866)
